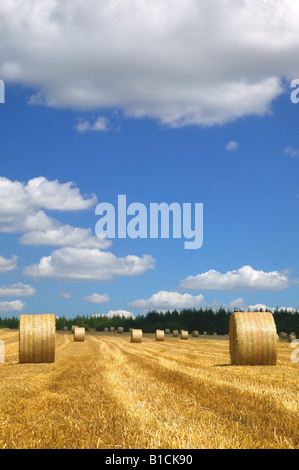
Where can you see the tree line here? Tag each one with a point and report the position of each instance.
(202, 320)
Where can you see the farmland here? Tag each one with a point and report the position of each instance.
(108, 393)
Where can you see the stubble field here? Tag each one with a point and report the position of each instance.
(108, 393)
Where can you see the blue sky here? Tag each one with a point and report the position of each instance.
(167, 123)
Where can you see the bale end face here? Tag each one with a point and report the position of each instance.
(252, 338)
(37, 338)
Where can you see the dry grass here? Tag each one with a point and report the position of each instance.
(111, 393)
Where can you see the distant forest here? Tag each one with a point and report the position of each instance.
(188, 319)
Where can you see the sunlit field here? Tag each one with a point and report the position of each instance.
(109, 393)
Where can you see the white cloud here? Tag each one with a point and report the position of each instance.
(97, 298)
(101, 124)
(21, 210)
(82, 264)
(13, 306)
(17, 290)
(18, 198)
(115, 313)
(164, 300)
(65, 294)
(232, 145)
(292, 151)
(184, 62)
(8, 264)
(65, 235)
(239, 279)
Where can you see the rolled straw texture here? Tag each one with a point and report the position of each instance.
(106, 329)
(73, 328)
(120, 329)
(291, 337)
(195, 333)
(136, 336)
(167, 331)
(159, 335)
(112, 328)
(37, 338)
(252, 338)
(175, 333)
(79, 334)
(184, 334)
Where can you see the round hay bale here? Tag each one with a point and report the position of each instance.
(106, 329)
(112, 328)
(175, 333)
(167, 331)
(65, 328)
(79, 334)
(283, 335)
(37, 338)
(205, 332)
(159, 335)
(184, 334)
(252, 338)
(195, 333)
(136, 336)
(120, 329)
(73, 328)
(291, 337)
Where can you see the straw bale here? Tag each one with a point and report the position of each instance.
(184, 334)
(112, 328)
(37, 338)
(195, 333)
(291, 337)
(120, 329)
(79, 334)
(159, 335)
(136, 336)
(175, 333)
(252, 338)
(73, 328)
(167, 331)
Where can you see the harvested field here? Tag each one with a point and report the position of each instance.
(109, 393)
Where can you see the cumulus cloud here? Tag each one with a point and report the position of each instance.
(17, 290)
(164, 300)
(18, 198)
(12, 306)
(184, 62)
(96, 298)
(82, 264)
(292, 151)
(100, 125)
(8, 264)
(115, 313)
(65, 235)
(232, 145)
(65, 294)
(22, 208)
(239, 279)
